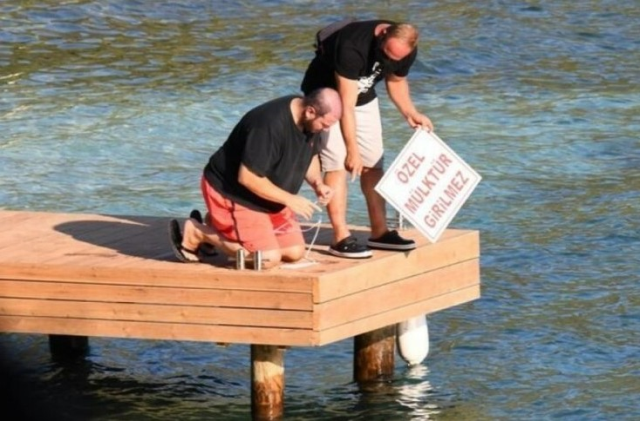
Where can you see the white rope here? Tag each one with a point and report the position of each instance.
(306, 257)
(313, 241)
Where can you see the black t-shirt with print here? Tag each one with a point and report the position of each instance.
(354, 53)
(268, 142)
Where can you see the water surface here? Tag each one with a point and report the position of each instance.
(114, 107)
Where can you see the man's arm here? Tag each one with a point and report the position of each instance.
(314, 178)
(348, 90)
(263, 187)
(398, 89)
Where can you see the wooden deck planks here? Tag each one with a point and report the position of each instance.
(376, 321)
(164, 313)
(344, 279)
(101, 275)
(97, 293)
(155, 330)
(397, 294)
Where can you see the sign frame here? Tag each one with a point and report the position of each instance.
(428, 177)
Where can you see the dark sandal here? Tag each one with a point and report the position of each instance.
(176, 244)
(195, 214)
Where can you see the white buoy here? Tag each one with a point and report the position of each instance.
(412, 336)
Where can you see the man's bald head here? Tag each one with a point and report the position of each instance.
(323, 109)
(324, 101)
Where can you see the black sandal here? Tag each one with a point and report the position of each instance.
(176, 244)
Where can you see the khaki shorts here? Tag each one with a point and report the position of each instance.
(333, 151)
(252, 229)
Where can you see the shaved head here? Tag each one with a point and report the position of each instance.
(322, 109)
(324, 101)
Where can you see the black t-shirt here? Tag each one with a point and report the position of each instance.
(354, 53)
(268, 142)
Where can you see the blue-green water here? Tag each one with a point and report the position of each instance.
(114, 107)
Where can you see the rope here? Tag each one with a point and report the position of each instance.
(306, 257)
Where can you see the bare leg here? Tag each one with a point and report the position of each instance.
(272, 258)
(196, 233)
(376, 205)
(293, 253)
(337, 208)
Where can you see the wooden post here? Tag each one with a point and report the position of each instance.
(267, 382)
(373, 355)
(68, 347)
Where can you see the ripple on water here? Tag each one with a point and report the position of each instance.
(114, 107)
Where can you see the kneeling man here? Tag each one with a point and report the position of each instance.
(250, 185)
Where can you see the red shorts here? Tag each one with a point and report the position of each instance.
(252, 229)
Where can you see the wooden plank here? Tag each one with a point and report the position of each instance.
(156, 313)
(160, 331)
(85, 239)
(39, 235)
(15, 218)
(125, 239)
(72, 226)
(19, 230)
(155, 295)
(397, 294)
(7, 214)
(164, 274)
(96, 235)
(389, 266)
(377, 321)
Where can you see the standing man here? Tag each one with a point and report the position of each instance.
(251, 184)
(353, 60)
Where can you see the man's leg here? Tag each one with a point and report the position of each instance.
(235, 227)
(372, 151)
(337, 207)
(332, 156)
(288, 233)
(343, 244)
(376, 205)
(196, 233)
(369, 129)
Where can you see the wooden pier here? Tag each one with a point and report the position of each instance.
(81, 275)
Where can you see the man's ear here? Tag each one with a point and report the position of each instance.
(310, 112)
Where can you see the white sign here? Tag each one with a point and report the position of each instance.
(428, 183)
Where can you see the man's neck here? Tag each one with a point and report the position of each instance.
(297, 112)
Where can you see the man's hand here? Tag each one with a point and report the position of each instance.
(417, 119)
(302, 206)
(324, 193)
(353, 164)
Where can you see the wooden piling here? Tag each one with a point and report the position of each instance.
(373, 355)
(267, 382)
